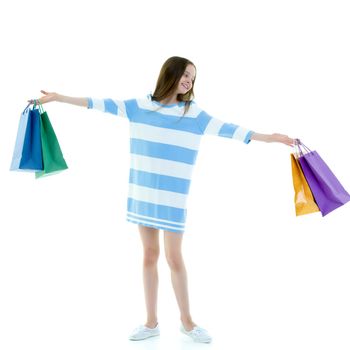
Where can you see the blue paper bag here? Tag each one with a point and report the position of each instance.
(28, 152)
(21, 132)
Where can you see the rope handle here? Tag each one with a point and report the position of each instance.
(300, 149)
(41, 108)
(26, 107)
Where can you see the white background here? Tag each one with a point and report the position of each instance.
(259, 277)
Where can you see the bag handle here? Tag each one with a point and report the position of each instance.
(26, 107)
(298, 145)
(296, 150)
(41, 108)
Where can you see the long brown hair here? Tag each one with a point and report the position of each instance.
(168, 80)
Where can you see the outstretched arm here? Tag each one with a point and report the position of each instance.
(213, 126)
(272, 138)
(53, 96)
(107, 105)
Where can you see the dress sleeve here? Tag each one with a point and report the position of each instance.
(213, 126)
(108, 105)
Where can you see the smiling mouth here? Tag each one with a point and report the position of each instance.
(186, 86)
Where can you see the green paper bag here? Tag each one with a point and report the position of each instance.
(52, 155)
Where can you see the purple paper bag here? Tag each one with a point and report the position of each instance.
(328, 192)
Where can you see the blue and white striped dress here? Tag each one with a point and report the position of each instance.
(164, 144)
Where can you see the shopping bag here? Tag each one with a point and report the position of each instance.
(27, 154)
(52, 155)
(303, 198)
(328, 192)
(17, 152)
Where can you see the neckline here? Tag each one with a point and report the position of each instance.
(178, 104)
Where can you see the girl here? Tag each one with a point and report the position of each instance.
(165, 133)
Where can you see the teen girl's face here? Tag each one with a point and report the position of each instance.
(186, 81)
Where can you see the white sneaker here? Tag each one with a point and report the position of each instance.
(143, 332)
(198, 334)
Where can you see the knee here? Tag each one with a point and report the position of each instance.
(150, 256)
(175, 262)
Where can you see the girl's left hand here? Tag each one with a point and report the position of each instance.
(282, 139)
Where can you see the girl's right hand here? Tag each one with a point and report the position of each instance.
(48, 97)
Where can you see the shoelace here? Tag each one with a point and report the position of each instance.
(137, 329)
(199, 332)
(140, 328)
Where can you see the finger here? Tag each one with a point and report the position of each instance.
(44, 92)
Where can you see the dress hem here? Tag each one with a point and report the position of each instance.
(154, 226)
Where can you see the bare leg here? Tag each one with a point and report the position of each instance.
(150, 241)
(172, 244)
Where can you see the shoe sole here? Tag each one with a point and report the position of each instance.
(150, 336)
(196, 341)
